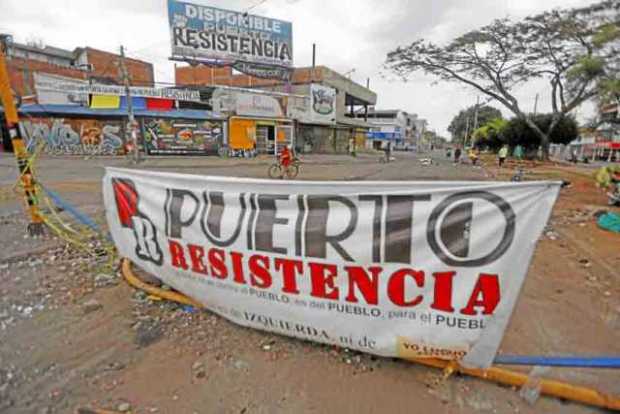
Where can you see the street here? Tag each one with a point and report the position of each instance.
(74, 334)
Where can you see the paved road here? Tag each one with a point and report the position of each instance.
(78, 178)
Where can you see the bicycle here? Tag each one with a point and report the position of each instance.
(277, 170)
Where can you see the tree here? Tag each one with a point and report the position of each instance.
(573, 49)
(518, 132)
(459, 126)
(490, 134)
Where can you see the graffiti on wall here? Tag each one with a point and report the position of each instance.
(64, 136)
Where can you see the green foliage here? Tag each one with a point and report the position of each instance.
(518, 132)
(458, 126)
(490, 134)
(575, 50)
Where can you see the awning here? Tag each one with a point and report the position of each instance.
(74, 110)
(609, 145)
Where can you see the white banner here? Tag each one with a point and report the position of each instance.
(391, 268)
(71, 86)
(50, 90)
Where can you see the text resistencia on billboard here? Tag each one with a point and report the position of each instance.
(211, 33)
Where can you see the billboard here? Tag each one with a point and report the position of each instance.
(319, 108)
(60, 90)
(182, 137)
(212, 35)
(402, 269)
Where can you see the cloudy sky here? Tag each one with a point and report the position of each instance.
(350, 34)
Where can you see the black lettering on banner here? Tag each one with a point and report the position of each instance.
(175, 199)
(301, 212)
(317, 238)
(266, 220)
(458, 220)
(376, 225)
(398, 224)
(211, 218)
(250, 226)
(147, 247)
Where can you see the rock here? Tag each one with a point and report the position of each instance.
(197, 365)
(266, 347)
(241, 364)
(4, 266)
(607, 293)
(103, 280)
(147, 334)
(91, 306)
(123, 407)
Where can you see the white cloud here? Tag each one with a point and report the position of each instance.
(348, 33)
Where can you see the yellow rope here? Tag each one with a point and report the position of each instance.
(551, 388)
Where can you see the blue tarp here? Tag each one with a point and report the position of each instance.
(396, 136)
(75, 110)
(137, 103)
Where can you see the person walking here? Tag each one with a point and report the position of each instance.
(457, 155)
(518, 154)
(502, 154)
(473, 156)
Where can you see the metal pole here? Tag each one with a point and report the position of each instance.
(536, 104)
(28, 182)
(132, 127)
(313, 55)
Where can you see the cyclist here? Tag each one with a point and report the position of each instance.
(286, 158)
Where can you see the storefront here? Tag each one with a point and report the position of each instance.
(257, 121)
(264, 135)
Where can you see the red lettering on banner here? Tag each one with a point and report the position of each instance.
(290, 270)
(218, 266)
(368, 285)
(259, 271)
(443, 291)
(196, 254)
(487, 286)
(322, 277)
(362, 283)
(396, 287)
(177, 255)
(237, 262)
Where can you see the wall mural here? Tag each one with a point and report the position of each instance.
(179, 136)
(64, 136)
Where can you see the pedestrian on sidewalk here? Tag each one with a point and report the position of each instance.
(457, 155)
(502, 154)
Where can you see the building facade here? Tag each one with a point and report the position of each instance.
(321, 102)
(84, 64)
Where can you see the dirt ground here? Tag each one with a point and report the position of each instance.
(73, 334)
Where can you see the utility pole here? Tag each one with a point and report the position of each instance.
(536, 104)
(466, 133)
(476, 113)
(28, 182)
(133, 135)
